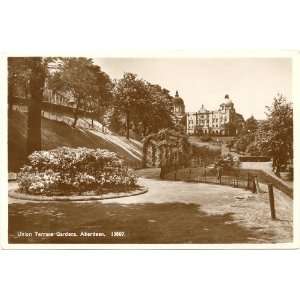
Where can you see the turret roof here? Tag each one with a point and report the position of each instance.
(178, 100)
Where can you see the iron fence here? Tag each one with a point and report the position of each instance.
(233, 177)
(236, 177)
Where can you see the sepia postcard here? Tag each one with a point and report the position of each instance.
(171, 150)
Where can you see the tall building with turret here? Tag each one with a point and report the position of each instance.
(178, 108)
(214, 122)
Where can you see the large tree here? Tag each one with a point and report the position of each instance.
(36, 85)
(130, 92)
(157, 112)
(28, 73)
(275, 135)
(146, 107)
(251, 124)
(235, 126)
(18, 78)
(84, 82)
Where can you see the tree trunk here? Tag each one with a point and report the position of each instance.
(127, 124)
(10, 106)
(276, 166)
(76, 110)
(145, 130)
(36, 85)
(10, 98)
(277, 171)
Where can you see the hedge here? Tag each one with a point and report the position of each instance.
(254, 158)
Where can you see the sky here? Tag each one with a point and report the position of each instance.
(251, 83)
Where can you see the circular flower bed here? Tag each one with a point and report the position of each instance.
(75, 171)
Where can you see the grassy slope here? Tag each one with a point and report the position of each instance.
(196, 141)
(54, 134)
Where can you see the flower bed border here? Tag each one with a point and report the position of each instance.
(13, 193)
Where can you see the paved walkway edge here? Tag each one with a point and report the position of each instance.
(20, 196)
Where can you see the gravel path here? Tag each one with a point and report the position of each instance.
(232, 207)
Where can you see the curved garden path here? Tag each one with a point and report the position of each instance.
(171, 212)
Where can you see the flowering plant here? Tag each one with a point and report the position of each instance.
(67, 169)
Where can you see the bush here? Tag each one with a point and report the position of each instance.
(231, 143)
(228, 162)
(253, 150)
(244, 141)
(206, 138)
(205, 154)
(66, 170)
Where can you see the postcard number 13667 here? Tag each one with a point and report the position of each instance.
(118, 233)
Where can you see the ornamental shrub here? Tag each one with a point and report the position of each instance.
(66, 170)
(244, 141)
(228, 162)
(206, 138)
(206, 155)
(253, 150)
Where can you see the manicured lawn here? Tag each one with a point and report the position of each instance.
(141, 223)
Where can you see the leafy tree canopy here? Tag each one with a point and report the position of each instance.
(146, 107)
(275, 135)
(251, 124)
(87, 84)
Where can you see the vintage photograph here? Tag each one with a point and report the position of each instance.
(170, 150)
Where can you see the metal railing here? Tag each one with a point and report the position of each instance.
(236, 177)
(233, 177)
